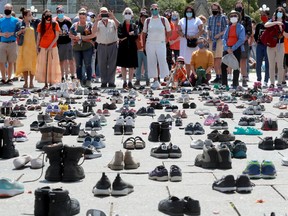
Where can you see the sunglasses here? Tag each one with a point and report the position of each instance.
(154, 9)
(82, 14)
(128, 13)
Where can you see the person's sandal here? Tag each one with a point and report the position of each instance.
(139, 143)
(129, 143)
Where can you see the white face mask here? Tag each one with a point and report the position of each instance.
(127, 17)
(234, 19)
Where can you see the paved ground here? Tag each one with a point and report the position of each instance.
(197, 182)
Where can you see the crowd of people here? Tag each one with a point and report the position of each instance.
(152, 47)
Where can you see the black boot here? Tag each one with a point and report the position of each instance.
(165, 135)
(72, 171)
(57, 134)
(55, 170)
(41, 206)
(8, 148)
(46, 138)
(61, 204)
(154, 132)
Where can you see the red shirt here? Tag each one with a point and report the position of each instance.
(232, 36)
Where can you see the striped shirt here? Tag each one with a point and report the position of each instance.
(216, 24)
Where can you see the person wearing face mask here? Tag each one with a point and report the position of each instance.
(127, 50)
(48, 66)
(27, 55)
(247, 23)
(201, 59)
(276, 54)
(217, 23)
(8, 47)
(233, 39)
(175, 38)
(261, 49)
(157, 29)
(64, 44)
(189, 27)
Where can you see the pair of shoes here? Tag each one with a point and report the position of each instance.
(104, 112)
(71, 127)
(246, 131)
(50, 135)
(87, 106)
(111, 106)
(83, 134)
(64, 163)
(20, 136)
(6, 108)
(160, 173)
(18, 115)
(219, 125)
(159, 132)
(213, 102)
(54, 202)
(253, 110)
(226, 114)
(186, 105)
(120, 162)
(225, 136)
(119, 187)
(269, 124)
(175, 206)
(244, 121)
(124, 126)
(90, 152)
(96, 142)
(10, 188)
(194, 129)
(93, 124)
(213, 157)
(164, 151)
(180, 115)
(171, 108)
(268, 144)
(21, 161)
(210, 119)
(265, 170)
(134, 143)
(283, 115)
(198, 144)
(44, 118)
(238, 148)
(143, 111)
(14, 122)
(228, 184)
(7, 147)
(166, 118)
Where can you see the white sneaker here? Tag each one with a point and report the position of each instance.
(120, 121)
(197, 144)
(37, 163)
(98, 80)
(21, 161)
(155, 85)
(130, 121)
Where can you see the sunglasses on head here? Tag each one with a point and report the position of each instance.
(82, 14)
(127, 13)
(154, 9)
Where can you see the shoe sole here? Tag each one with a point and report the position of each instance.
(10, 193)
(101, 192)
(92, 156)
(123, 192)
(116, 167)
(268, 176)
(244, 189)
(175, 155)
(157, 178)
(134, 166)
(176, 178)
(196, 146)
(157, 155)
(224, 189)
(188, 132)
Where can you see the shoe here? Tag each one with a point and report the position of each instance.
(102, 187)
(120, 187)
(192, 207)
(224, 157)
(225, 184)
(98, 143)
(154, 132)
(280, 144)
(10, 188)
(117, 162)
(189, 129)
(129, 162)
(172, 206)
(239, 149)
(214, 136)
(284, 134)
(160, 152)
(21, 161)
(175, 174)
(226, 136)
(165, 135)
(7, 147)
(160, 173)
(142, 112)
(268, 170)
(174, 151)
(150, 111)
(266, 144)
(265, 125)
(253, 169)
(198, 129)
(209, 157)
(197, 144)
(90, 152)
(155, 85)
(178, 122)
(243, 184)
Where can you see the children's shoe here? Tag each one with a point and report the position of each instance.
(268, 170)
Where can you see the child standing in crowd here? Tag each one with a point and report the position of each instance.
(48, 65)
(27, 55)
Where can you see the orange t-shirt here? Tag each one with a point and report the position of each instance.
(48, 37)
(174, 36)
(232, 36)
(285, 45)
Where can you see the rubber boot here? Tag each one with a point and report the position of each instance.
(154, 132)
(72, 171)
(117, 161)
(165, 135)
(8, 148)
(57, 134)
(129, 161)
(55, 170)
(61, 204)
(41, 205)
(46, 138)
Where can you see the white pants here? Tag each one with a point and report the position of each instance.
(156, 53)
(276, 55)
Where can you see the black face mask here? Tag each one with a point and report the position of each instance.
(7, 12)
(239, 9)
(48, 17)
(215, 12)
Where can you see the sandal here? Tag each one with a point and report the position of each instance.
(139, 143)
(129, 143)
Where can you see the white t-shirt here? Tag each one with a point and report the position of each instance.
(192, 25)
(156, 29)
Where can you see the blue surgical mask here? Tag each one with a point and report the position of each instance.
(155, 12)
(201, 45)
(174, 18)
(279, 14)
(189, 14)
(60, 16)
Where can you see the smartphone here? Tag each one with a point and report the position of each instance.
(104, 15)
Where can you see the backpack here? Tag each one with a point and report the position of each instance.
(271, 36)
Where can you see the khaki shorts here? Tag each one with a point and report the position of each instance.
(8, 52)
(218, 53)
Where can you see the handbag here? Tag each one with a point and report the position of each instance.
(192, 43)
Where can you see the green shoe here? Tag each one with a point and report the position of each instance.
(253, 131)
(253, 169)
(239, 131)
(268, 170)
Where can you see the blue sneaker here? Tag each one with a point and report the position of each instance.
(253, 169)
(98, 143)
(9, 188)
(160, 173)
(239, 150)
(268, 170)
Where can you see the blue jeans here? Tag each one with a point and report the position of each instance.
(142, 58)
(86, 56)
(261, 53)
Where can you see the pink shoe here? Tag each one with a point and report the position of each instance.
(99, 112)
(209, 120)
